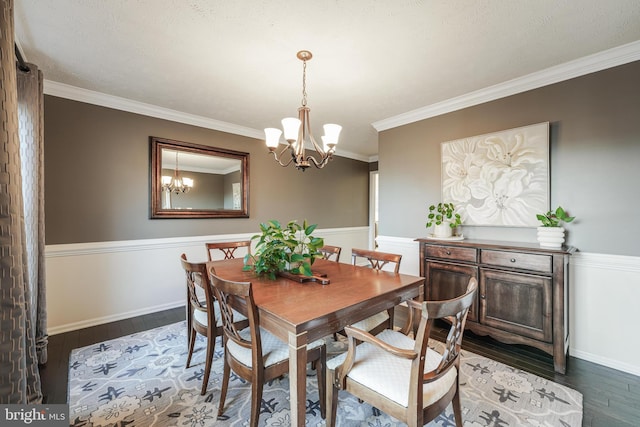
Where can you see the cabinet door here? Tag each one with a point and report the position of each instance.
(446, 281)
(514, 302)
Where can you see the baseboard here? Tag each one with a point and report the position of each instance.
(605, 361)
(114, 318)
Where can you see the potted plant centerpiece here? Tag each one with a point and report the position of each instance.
(444, 219)
(284, 249)
(551, 233)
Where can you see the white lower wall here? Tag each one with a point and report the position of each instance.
(604, 291)
(94, 283)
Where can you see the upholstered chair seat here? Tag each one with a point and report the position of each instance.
(274, 350)
(378, 370)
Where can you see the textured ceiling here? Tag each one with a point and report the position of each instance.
(235, 61)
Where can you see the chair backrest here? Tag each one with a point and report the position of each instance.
(197, 277)
(227, 248)
(377, 260)
(455, 312)
(226, 292)
(329, 251)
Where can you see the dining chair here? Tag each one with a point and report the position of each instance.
(417, 383)
(378, 261)
(253, 353)
(202, 312)
(228, 248)
(328, 252)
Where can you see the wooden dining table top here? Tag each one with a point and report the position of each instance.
(311, 306)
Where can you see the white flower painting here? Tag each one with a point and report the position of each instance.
(500, 178)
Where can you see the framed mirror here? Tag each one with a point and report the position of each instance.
(198, 181)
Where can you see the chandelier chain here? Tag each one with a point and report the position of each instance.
(304, 83)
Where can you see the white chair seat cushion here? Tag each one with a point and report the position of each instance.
(371, 322)
(274, 350)
(201, 316)
(390, 375)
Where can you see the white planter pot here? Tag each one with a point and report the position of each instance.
(551, 237)
(443, 230)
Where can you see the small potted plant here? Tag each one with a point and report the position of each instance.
(444, 219)
(291, 248)
(551, 232)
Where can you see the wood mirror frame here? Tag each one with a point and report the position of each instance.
(228, 202)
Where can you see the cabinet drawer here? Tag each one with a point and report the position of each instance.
(534, 262)
(452, 253)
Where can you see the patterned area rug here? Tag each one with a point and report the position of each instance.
(140, 380)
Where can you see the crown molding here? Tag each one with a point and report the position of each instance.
(589, 64)
(123, 104)
(74, 93)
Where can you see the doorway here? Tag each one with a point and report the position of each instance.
(373, 210)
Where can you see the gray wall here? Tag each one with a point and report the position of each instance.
(97, 180)
(594, 166)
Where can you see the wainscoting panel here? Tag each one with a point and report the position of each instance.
(603, 303)
(94, 283)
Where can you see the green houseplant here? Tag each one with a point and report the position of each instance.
(554, 218)
(551, 232)
(444, 218)
(291, 248)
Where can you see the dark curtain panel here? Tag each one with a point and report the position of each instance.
(21, 280)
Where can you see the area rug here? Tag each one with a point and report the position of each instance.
(140, 380)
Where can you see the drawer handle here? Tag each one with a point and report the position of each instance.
(448, 252)
(482, 296)
(513, 260)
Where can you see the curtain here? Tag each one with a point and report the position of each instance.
(23, 337)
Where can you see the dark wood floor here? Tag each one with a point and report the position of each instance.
(611, 397)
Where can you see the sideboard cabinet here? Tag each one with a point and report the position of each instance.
(522, 295)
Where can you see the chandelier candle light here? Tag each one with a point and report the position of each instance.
(297, 132)
(176, 184)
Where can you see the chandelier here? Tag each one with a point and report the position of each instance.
(176, 184)
(297, 133)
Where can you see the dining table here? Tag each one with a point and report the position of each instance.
(301, 312)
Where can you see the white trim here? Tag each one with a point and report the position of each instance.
(90, 248)
(605, 361)
(123, 104)
(373, 201)
(74, 93)
(589, 64)
(606, 262)
(113, 318)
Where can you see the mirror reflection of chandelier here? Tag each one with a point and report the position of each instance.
(176, 184)
(297, 132)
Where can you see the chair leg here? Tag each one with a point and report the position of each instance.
(321, 372)
(225, 384)
(332, 399)
(192, 341)
(211, 346)
(457, 410)
(256, 400)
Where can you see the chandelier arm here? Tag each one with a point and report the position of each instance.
(277, 157)
(319, 164)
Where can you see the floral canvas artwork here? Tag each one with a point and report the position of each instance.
(498, 179)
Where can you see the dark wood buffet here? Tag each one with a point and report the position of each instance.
(523, 289)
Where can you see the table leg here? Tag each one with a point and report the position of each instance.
(298, 378)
